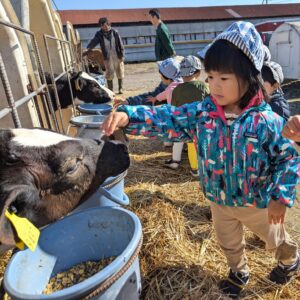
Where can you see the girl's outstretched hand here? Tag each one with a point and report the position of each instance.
(291, 130)
(276, 212)
(113, 121)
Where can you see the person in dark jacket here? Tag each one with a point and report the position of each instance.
(113, 52)
(163, 44)
(273, 77)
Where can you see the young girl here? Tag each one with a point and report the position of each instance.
(247, 170)
(169, 73)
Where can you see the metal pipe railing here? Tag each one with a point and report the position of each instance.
(22, 101)
(9, 95)
(68, 67)
(42, 89)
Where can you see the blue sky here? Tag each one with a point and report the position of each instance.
(119, 4)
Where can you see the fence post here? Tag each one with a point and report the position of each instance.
(9, 95)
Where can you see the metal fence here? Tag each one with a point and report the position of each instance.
(42, 90)
(68, 68)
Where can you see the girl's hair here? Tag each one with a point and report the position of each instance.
(225, 57)
(166, 78)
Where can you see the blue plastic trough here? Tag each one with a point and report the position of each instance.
(89, 235)
(110, 193)
(95, 109)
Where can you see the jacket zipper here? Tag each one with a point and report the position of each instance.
(228, 163)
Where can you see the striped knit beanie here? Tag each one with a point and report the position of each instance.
(244, 36)
(267, 56)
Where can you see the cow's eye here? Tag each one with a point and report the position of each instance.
(11, 159)
(73, 168)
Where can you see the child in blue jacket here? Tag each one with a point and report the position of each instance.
(247, 169)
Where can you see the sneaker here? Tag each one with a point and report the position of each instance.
(172, 164)
(284, 273)
(234, 284)
(194, 173)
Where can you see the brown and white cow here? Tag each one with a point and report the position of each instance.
(95, 56)
(45, 175)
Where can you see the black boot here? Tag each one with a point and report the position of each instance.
(120, 81)
(110, 85)
(234, 284)
(283, 274)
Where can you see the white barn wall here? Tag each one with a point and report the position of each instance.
(285, 49)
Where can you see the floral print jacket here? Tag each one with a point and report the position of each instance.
(245, 164)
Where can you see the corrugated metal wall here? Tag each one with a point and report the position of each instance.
(188, 38)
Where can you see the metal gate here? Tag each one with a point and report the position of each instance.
(42, 90)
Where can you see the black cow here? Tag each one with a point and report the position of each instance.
(84, 88)
(45, 175)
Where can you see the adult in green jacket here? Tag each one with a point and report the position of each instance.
(163, 44)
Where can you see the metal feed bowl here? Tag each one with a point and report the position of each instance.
(88, 121)
(95, 109)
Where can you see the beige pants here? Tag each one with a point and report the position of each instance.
(228, 223)
(114, 65)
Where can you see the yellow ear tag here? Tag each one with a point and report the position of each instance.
(26, 231)
(77, 87)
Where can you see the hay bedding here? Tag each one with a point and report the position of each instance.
(180, 258)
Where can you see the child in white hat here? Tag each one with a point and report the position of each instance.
(192, 89)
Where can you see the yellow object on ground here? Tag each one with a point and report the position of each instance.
(192, 155)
